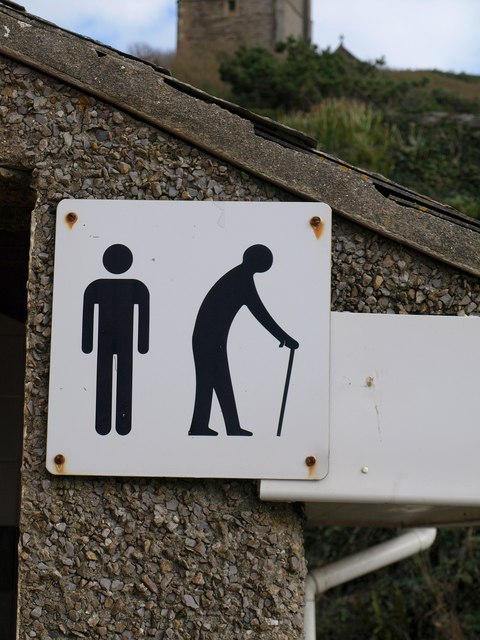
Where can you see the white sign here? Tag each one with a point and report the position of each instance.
(167, 323)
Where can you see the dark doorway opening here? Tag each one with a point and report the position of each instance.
(17, 199)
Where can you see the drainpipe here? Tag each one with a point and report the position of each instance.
(379, 556)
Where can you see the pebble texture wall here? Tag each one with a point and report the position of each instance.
(117, 558)
(371, 274)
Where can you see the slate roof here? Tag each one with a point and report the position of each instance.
(271, 151)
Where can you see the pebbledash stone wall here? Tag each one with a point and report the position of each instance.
(124, 559)
(371, 274)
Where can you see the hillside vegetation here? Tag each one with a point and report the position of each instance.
(419, 128)
(466, 86)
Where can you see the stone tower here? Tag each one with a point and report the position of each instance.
(210, 26)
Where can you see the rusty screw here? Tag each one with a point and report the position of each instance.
(59, 460)
(71, 217)
(316, 221)
(310, 461)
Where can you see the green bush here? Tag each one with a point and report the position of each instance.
(261, 80)
(467, 204)
(299, 75)
(432, 596)
(440, 159)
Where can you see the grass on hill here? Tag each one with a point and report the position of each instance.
(463, 85)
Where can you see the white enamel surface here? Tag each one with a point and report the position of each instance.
(180, 250)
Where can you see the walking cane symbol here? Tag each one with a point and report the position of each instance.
(285, 392)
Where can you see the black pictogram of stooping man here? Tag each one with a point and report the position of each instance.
(116, 299)
(216, 314)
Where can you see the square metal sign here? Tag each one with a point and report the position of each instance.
(167, 323)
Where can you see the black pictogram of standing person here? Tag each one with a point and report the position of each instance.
(215, 316)
(116, 299)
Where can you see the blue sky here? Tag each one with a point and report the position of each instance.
(415, 34)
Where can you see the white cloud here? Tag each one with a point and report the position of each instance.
(410, 33)
(120, 23)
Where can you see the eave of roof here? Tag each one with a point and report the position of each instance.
(258, 145)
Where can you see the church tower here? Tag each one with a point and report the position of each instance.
(210, 26)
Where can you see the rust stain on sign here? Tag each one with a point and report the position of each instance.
(318, 226)
(71, 218)
(59, 461)
(311, 462)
